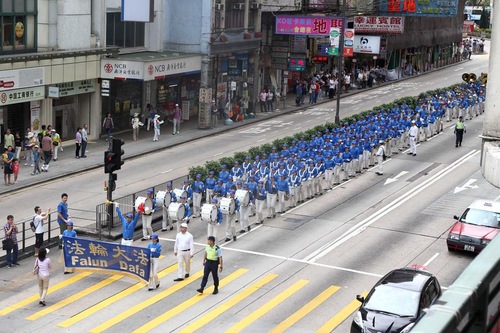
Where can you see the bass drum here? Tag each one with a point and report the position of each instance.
(209, 213)
(243, 197)
(179, 193)
(227, 206)
(163, 198)
(176, 211)
(139, 204)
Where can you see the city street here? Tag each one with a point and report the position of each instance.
(299, 272)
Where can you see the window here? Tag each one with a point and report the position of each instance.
(17, 21)
(124, 34)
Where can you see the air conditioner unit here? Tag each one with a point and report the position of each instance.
(239, 6)
(255, 5)
(219, 7)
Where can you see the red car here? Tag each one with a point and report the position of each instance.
(477, 226)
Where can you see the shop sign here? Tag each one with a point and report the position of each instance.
(21, 78)
(205, 95)
(367, 44)
(468, 27)
(307, 25)
(379, 24)
(297, 64)
(121, 70)
(22, 95)
(72, 88)
(299, 44)
(159, 69)
(348, 43)
(420, 8)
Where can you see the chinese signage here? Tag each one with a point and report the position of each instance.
(298, 44)
(307, 25)
(155, 70)
(334, 40)
(379, 24)
(348, 43)
(297, 64)
(21, 95)
(91, 254)
(72, 88)
(420, 7)
(367, 44)
(22, 78)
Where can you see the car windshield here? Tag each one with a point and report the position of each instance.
(401, 302)
(481, 217)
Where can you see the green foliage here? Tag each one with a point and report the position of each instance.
(254, 151)
(212, 166)
(228, 161)
(240, 156)
(194, 170)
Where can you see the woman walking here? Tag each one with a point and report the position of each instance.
(42, 268)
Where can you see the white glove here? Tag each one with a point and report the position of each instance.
(116, 204)
(153, 249)
(147, 209)
(60, 236)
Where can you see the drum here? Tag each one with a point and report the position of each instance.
(179, 192)
(227, 206)
(176, 211)
(163, 198)
(139, 204)
(209, 213)
(243, 197)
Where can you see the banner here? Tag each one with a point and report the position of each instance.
(334, 41)
(367, 44)
(379, 24)
(83, 253)
(420, 8)
(307, 25)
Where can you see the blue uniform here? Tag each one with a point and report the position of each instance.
(69, 233)
(157, 247)
(224, 176)
(210, 183)
(127, 227)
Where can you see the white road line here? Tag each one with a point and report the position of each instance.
(435, 136)
(166, 171)
(361, 226)
(297, 128)
(427, 263)
(261, 140)
(217, 154)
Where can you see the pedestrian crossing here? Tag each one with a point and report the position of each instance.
(254, 297)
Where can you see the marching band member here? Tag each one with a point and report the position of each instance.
(155, 249)
(260, 199)
(210, 183)
(329, 166)
(213, 227)
(320, 169)
(198, 189)
(247, 166)
(187, 212)
(264, 171)
(224, 174)
(128, 226)
(272, 196)
(236, 172)
(219, 189)
(147, 216)
(245, 211)
(311, 170)
(231, 218)
(166, 221)
(295, 187)
(283, 190)
(304, 178)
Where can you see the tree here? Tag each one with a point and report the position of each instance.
(484, 23)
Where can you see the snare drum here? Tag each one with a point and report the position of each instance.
(139, 204)
(176, 211)
(227, 206)
(163, 198)
(179, 192)
(209, 213)
(243, 197)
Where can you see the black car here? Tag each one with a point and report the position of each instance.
(396, 302)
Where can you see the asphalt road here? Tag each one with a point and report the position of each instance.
(301, 270)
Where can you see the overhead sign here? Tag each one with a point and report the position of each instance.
(420, 8)
(22, 95)
(379, 24)
(71, 88)
(92, 254)
(22, 78)
(307, 25)
(367, 44)
(138, 10)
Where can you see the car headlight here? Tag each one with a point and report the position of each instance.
(358, 320)
(485, 241)
(454, 236)
(408, 328)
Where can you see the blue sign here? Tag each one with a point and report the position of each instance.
(91, 254)
(420, 7)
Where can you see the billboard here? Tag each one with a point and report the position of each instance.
(307, 25)
(420, 8)
(367, 44)
(379, 24)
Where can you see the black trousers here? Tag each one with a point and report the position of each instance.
(211, 266)
(459, 133)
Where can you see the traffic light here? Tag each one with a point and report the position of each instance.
(113, 158)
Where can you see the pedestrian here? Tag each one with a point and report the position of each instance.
(151, 116)
(380, 158)
(155, 249)
(135, 122)
(7, 158)
(48, 150)
(177, 119)
(212, 259)
(36, 160)
(128, 226)
(460, 129)
(85, 139)
(156, 123)
(42, 268)
(39, 230)
(198, 190)
(147, 216)
(270, 101)
(29, 144)
(214, 226)
(108, 125)
(10, 229)
(18, 145)
(8, 139)
(214, 115)
(15, 168)
(69, 232)
(183, 250)
(78, 142)
(262, 101)
(412, 133)
(57, 143)
(62, 215)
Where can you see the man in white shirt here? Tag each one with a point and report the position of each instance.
(85, 138)
(380, 158)
(183, 250)
(412, 133)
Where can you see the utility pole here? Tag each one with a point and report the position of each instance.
(340, 66)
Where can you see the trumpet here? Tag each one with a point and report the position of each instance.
(469, 77)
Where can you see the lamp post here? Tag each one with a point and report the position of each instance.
(340, 65)
(374, 61)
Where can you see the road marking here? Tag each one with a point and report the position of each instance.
(466, 186)
(361, 226)
(266, 308)
(435, 136)
(166, 171)
(427, 263)
(210, 316)
(261, 140)
(294, 208)
(297, 128)
(150, 301)
(186, 304)
(75, 297)
(108, 301)
(51, 290)
(305, 310)
(392, 180)
(217, 154)
(336, 320)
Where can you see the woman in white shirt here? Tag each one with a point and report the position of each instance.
(44, 266)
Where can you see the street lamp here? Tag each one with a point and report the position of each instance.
(340, 65)
(374, 61)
